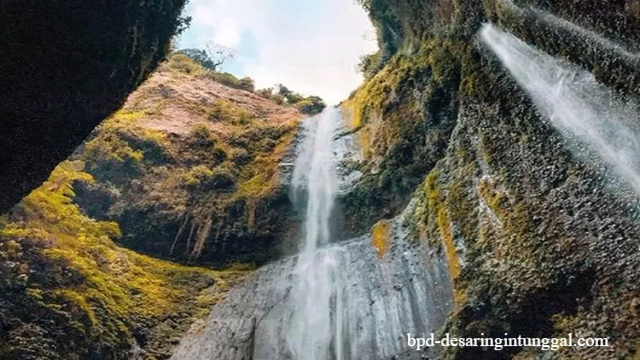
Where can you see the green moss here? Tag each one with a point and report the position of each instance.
(183, 63)
(202, 178)
(111, 154)
(196, 176)
(461, 202)
(495, 199)
(402, 117)
(69, 268)
(226, 111)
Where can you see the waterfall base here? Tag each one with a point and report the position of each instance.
(379, 301)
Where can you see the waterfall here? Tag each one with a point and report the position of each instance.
(315, 174)
(315, 322)
(593, 118)
(334, 300)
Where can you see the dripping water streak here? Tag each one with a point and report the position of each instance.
(574, 102)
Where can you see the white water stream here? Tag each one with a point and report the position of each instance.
(334, 300)
(315, 326)
(601, 121)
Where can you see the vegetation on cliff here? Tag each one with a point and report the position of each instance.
(403, 116)
(69, 292)
(188, 169)
(533, 238)
(209, 61)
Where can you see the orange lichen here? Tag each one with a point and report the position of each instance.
(381, 237)
(444, 224)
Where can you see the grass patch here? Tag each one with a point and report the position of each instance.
(62, 273)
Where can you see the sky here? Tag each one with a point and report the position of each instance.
(311, 46)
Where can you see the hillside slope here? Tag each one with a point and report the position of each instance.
(188, 170)
(69, 292)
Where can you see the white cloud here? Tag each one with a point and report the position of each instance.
(312, 46)
(227, 33)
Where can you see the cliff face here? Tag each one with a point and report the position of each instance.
(188, 169)
(539, 243)
(69, 292)
(64, 68)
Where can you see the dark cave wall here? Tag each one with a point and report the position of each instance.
(64, 67)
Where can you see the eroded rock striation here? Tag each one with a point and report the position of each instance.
(539, 233)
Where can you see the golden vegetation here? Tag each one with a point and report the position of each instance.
(381, 237)
(437, 206)
(438, 59)
(67, 265)
(192, 156)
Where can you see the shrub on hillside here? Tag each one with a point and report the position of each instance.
(370, 64)
(211, 58)
(110, 157)
(268, 93)
(195, 62)
(240, 156)
(204, 178)
(226, 111)
(185, 64)
(202, 136)
(311, 106)
(230, 80)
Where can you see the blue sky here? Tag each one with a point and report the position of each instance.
(311, 46)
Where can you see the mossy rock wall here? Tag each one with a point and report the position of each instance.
(190, 169)
(68, 291)
(537, 244)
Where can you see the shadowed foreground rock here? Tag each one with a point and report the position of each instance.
(64, 67)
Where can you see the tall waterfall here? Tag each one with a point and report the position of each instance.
(599, 120)
(334, 300)
(316, 320)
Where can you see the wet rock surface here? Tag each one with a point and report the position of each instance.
(539, 233)
(406, 291)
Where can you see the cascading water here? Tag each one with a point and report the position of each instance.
(575, 103)
(315, 321)
(334, 300)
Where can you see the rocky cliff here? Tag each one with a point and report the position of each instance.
(66, 66)
(188, 170)
(535, 229)
(538, 241)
